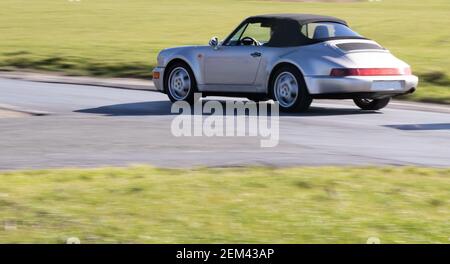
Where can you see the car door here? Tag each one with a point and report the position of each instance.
(236, 62)
(232, 65)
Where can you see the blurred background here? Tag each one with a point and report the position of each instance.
(122, 39)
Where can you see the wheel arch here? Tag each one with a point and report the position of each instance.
(172, 62)
(278, 66)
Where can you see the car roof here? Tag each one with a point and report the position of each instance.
(300, 18)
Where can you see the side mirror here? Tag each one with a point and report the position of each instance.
(214, 42)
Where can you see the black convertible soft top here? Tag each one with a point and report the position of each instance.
(302, 19)
(286, 28)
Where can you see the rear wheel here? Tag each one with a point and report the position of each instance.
(371, 104)
(180, 83)
(289, 89)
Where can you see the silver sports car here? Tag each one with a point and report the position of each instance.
(290, 58)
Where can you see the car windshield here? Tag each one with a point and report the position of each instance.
(326, 30)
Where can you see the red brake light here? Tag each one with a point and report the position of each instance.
(408, 71)
(341, 72)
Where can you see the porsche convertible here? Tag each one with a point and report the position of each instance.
(290, 58)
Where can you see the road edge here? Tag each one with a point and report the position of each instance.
(121, 83)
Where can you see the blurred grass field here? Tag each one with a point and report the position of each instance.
(233, 205)
(122, 38)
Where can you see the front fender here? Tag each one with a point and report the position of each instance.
(188, 54)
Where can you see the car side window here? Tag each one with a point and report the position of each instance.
(325, 30)
(234, 40)
(318, 30)
(256, 31)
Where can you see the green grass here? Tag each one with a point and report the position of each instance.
(235, 205)
(122, 38)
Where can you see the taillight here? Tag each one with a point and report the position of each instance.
(407, 71)
(341, 72)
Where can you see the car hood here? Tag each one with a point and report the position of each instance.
(173, 49)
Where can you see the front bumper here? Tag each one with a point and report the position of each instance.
(158, 82)
(318, 85)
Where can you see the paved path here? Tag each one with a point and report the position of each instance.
(91, 126)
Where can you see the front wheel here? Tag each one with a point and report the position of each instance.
(289, 89)
(371, 104)
(180, 83)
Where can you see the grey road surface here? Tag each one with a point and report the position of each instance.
(90, 126)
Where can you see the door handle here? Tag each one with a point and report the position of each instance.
(256, 54)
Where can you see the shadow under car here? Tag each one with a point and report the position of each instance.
(164, 108)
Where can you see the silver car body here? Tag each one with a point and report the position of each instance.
(233, 68)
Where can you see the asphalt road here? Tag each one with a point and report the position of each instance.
(89, 126)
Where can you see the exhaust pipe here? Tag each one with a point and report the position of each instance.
(410, 91)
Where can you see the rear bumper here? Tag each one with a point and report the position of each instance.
(318, 85)
(158, 82)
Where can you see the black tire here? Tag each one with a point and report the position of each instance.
(189, 97)
(302, 101)
(371, 104)
(258, 97)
